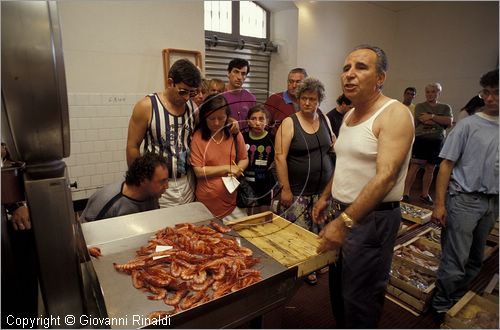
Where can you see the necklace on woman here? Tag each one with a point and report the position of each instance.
(218, 142)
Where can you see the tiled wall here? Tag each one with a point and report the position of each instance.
(98, 127)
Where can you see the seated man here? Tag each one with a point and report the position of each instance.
(145, 181)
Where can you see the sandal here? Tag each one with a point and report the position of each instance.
(311, 279)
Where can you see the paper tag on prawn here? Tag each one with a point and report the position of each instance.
(160, 248)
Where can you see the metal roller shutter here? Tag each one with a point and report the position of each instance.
(257, 82)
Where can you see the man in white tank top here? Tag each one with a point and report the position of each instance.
(373, 151)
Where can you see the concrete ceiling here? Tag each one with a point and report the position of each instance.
(394, 6)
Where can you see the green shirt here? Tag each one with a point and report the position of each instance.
(433, 130)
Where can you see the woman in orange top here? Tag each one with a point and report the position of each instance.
(213, 156)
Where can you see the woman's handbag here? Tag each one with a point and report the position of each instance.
(245, 195)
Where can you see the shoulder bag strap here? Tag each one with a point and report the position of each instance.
(108, 205)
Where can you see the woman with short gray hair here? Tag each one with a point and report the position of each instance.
(302, 154)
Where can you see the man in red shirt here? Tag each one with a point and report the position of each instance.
(283, 104)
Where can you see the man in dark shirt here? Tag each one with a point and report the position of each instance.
(145, 181)
(337, 114)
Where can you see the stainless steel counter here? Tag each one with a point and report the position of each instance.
(119, 238)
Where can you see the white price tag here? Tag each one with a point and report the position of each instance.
(160, 248)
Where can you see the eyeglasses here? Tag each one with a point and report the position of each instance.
(183, 92)
(486, 92)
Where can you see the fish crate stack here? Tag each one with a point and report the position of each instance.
(493, 236)
(413, 271)
(472, 312)
(415, 213)
(491, 242)
(491, 290)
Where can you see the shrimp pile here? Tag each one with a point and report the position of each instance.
(202, 265)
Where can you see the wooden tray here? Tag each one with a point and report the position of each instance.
(426, 217)
(407, 301)
(423, 295)
(455, 316)
(415, 265)
(423, 241)
(284, 241)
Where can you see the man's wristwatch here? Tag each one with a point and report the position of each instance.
(348, 222)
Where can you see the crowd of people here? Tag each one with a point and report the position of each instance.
(340, 174)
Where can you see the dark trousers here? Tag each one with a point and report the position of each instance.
(19, 274)
(359, 280)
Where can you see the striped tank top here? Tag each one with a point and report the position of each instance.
(170, 135)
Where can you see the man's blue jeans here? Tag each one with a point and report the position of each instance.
(469, 220)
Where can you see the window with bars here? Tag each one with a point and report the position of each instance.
(237, 18)
(238, 29)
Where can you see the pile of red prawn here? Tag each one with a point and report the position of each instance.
(201, 266)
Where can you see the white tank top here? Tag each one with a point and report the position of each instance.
(356, 149)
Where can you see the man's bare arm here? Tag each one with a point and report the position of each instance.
(137, 127)
(394, 142)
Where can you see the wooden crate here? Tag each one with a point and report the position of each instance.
(284, 241)
(490, 247)
(424, 218)
(461, 315)
(432, 234)
(420, 294)
(407, 295)
(407, 301)
(491, 290)
(415, 264)
(423, 242)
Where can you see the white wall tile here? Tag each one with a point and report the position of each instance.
(91, 111)
(101, 168)
(99, 145)
(81, 99)
(92, 135)
(83, 181)
(82, 159)
(95, 99)
(118, 155)
(106, 156)
(75, 147)
(77, 135)
(96, 180)
(119, 176)
(77, 111)
(87, 146)
(73, 123)
(71, 99)
(84, 123)
(95, 158)
(76, 195)
(108, 178)
(98, 130)
(89, 169)
(114, 134)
